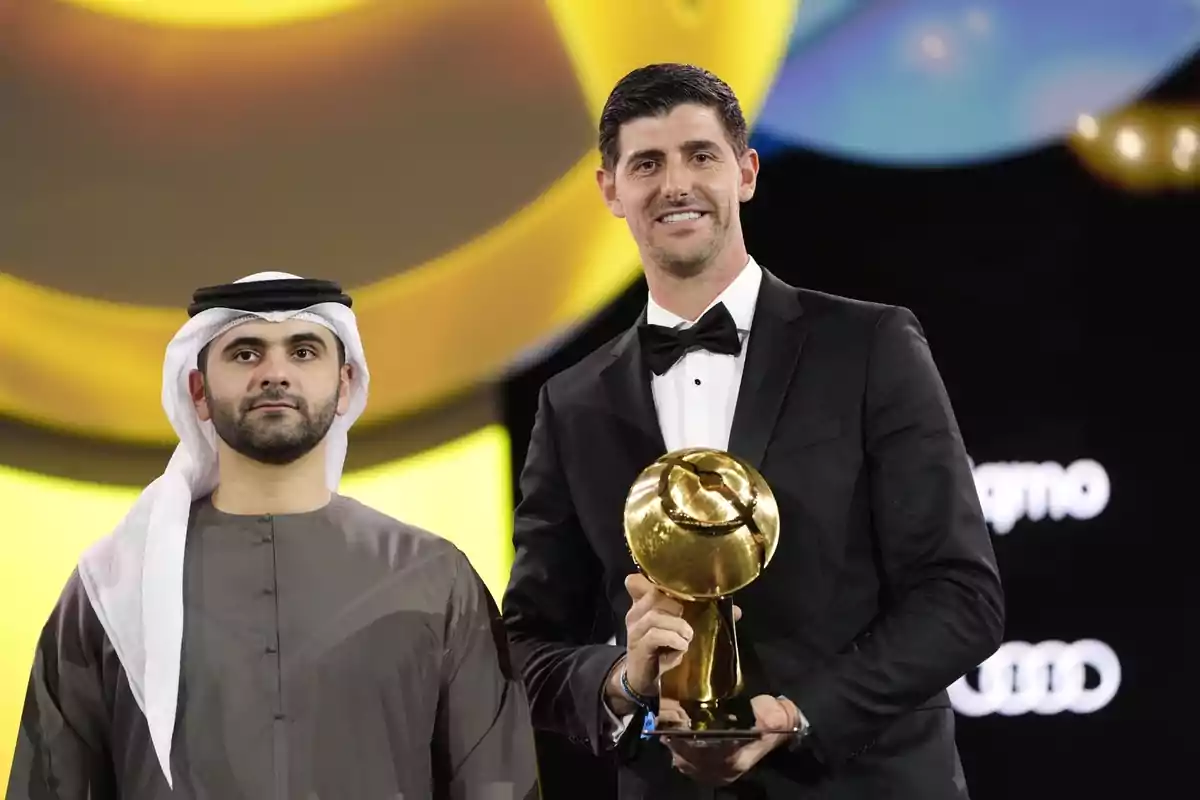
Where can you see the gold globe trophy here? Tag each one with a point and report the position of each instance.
(702, 524)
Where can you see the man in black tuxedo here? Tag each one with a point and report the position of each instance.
(884, 587)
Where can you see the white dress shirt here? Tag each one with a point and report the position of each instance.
(695, 398)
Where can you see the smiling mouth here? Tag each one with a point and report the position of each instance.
(676, 217)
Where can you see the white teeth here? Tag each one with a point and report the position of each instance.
(681, 216)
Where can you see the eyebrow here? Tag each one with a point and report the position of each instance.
(691, 146)
(259, 342)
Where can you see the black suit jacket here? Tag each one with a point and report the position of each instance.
(883, 589)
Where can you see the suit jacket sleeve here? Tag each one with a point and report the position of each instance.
(943, 608)
(552, 606)
(62, 750)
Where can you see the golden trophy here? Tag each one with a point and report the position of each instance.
(701, 524)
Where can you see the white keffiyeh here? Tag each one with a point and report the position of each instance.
(134, 577)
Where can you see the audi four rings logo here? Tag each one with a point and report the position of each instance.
(1044, 678)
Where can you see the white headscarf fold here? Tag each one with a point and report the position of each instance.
(134, 576)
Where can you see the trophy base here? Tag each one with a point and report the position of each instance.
(730, 719)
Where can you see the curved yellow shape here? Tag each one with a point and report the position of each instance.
(743, 42)
(94, 368)
(49, 521)
(219, 13)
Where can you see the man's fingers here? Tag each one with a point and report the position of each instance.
(651, 639)
(721, 763)
(646, 601)
(669, 661)
(671, 717)
(657, 640)
(657, 620)
(667, 604)
(706, 765)
(638, 585)
(745, 758)
(712, 774)
(643, 605)
(770, 714)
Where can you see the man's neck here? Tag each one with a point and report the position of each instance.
(250, 487)
(688, 296)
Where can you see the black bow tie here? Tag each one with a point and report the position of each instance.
(715, 331)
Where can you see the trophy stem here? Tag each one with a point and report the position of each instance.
(710, 670)
(707, 684)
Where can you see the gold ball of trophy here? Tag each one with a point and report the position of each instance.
(701, 524)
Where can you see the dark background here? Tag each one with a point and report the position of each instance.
(1055, 307)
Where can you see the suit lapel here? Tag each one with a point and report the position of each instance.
(627, 380)
(776, 338)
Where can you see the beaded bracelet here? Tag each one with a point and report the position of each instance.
(648, 703)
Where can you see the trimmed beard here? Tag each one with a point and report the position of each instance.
(263, 436)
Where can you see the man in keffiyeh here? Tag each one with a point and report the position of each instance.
(246, 631)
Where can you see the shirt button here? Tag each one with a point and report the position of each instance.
(268, 592)
(280, 717)
(697, 381)
(266, 539)
(271, 650)
(265, 518)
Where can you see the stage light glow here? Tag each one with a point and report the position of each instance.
(1130, 144)
(934, 46)
(219, 13)
(1087, 126)
(1183, 154)
(1150, 147)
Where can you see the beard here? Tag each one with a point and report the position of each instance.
(687, 264)
(689, 260)
(272, 437)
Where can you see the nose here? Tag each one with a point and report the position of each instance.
(677, 180)
(272, 372)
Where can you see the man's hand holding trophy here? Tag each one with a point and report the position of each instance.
(700, 524)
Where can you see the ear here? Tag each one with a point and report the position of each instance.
(747, 174)
(345, 378)
(607, 181)
(199, 401)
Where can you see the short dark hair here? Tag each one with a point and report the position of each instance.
(202, 357)
(656, 89)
